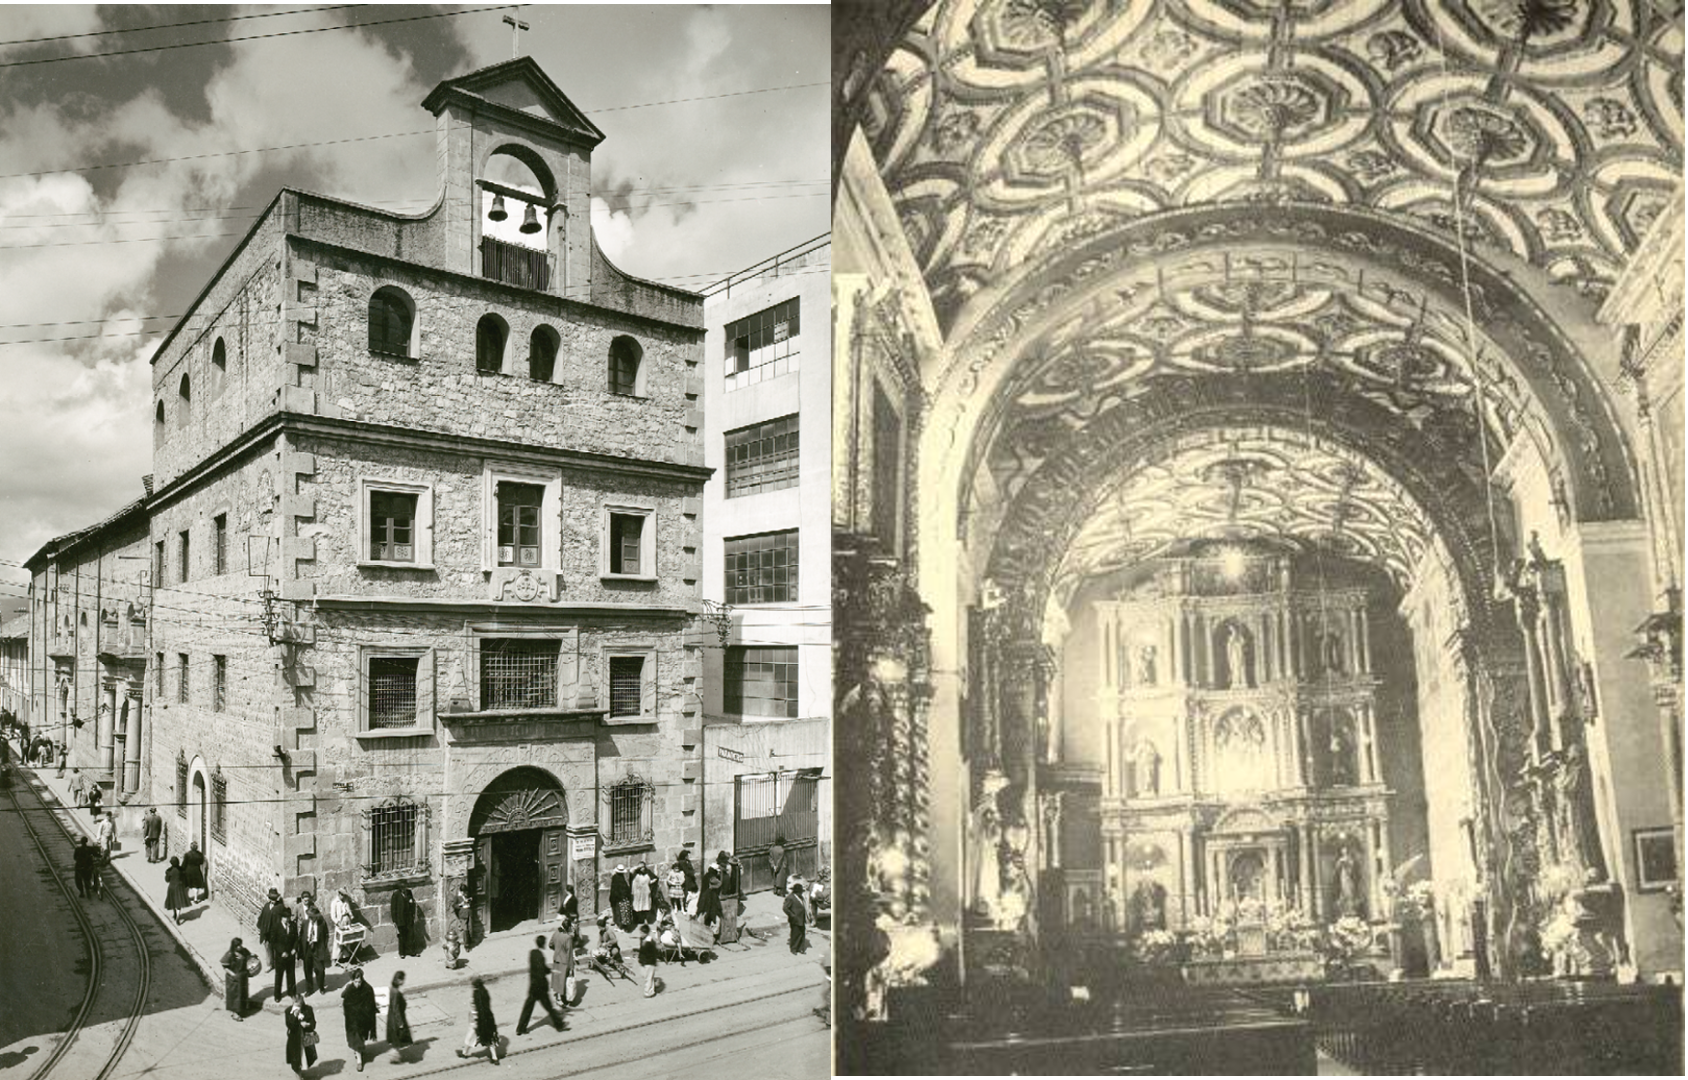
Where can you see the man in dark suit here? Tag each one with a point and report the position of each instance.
(83, 856)
(404, 918)
(284, 945)
(539, 988)
(152, 827)
(267, 916)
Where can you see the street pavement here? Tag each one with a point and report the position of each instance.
(752, 1006)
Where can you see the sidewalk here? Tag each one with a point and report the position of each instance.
(207, 929)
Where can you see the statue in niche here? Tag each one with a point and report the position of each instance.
(1347, 883)
(1143, 670)
(1146, 762)
(1236, 658)
(1342, 771)
(1148, 907)
(1331, 652)
(1084, 912)
(985, 835)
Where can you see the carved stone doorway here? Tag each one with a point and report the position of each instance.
(519, 826)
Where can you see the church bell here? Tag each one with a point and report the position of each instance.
(498, 213)
(530, 223)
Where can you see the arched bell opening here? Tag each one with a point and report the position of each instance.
(519, 829)
(521, 219)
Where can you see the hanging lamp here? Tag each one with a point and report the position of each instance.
(498, 213)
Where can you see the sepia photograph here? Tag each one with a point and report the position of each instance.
(1257, 558)
(414, 579)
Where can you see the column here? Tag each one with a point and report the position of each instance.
(1278, 873)
(1304, 886)
(1316, 899)
(1187, 869)
(1385, 862)
(1354, 640)
(1365, 642)
(1368, 745)
(1262, 651)
(1283, 644)
(1110, 732)
(1540, 740)
(1373, 906)
(105, 726)
(132, 741)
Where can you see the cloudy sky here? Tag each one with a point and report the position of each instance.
(126, 179)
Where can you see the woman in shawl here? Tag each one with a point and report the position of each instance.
(621, 897)
(483, 1029)
(193, 873)
(709, 899)
(642, 893)
(728, 931)
(683, 863)
(398, 1025)
(404, 917)
(301, 1021)
(175, 892)
(562, 961)
(234, 982)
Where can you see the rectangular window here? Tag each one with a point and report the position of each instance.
(518, 673)
(182, 550)
(762, 345)
(219, 682)
(627, 679)
(887, 468)
(627, 812)
(220, 547)
(761, 681)
(219, 807)
(392, 839)
(626, 531)
(392, 526)
(392, 691)
(182, 678)
(518, 523)
(762, 569)
(762, 457)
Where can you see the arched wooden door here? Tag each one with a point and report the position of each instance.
(520, 825)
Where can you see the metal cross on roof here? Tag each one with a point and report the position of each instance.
(516, 28)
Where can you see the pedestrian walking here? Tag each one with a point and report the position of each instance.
(621, 897)
(105, 835)
(398, 1025)
(776, 863)
(301, 1035)
(152, 827)
(728, 931)
(82, 859)
(175, 893)
(357, 1001)
(642, 893)
(236, 973)
(647, 959)
(78, 788)
(285, 948)
(483, 1028)
(456, 927)
(562, 960)
(539, 989)
(797, 917)
(95, 794)
(193, 869)
(267, 916)
(314, 940)
(404, 918)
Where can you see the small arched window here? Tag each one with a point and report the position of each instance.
(490, 333)
(185, 392)
(625, 355)
(542, 354)
(220, 357)
(392, 320)
(158, 424)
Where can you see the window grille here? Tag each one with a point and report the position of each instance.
(220, 682)
(392, 691)
(762, 457)
(627, 676)
(182, 678)
(626, 531)
(392, 526)
(762, 345)
(624, 366)
(219, 806)
(182, 574)
(392, 838)
(220, 544)
(518, 674)
(181, 784)
(627, 812)
(762, 569)
(761, 681)
(518, 523)
(513, 264)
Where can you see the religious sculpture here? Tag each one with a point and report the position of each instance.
(1347, 883)
(1143, 671)
(985, 842)
(1236, 658)
(1146, 769)
(1330, 646)
(1148, 906)
(1342, 770)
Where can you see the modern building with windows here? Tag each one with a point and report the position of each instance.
(425, 528)
(766, 551)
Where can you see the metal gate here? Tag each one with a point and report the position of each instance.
(770, 805)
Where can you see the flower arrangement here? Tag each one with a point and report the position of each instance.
(1291, 929)
(1345, 940)
(1206, 935)
(1156, 946)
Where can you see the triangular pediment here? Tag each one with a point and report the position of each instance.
(518, 86)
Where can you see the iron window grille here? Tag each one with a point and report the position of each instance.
(761, 681)
(762, 457)
(392, 526)
(219, 806)
(762, 345)
(395, 848)
(518, 673)
(627, 677)
(181, 784)
(762, 569)
(219, 682)
(519, 533)
(629, 812)
(220, 544)
(182, 678)
(626, 533)
(392, 691)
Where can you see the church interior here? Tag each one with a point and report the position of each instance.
(1258, 509)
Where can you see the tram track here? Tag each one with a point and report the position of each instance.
(96, 952)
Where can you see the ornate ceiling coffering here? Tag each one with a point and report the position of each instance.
(1551, 130)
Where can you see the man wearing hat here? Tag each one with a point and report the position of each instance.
(152, 827)
(269, 918)
(796, 915)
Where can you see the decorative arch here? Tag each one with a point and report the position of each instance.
(525, 797)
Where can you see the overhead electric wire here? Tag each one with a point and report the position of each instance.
(172, 26)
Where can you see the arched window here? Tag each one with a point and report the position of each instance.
(625, 355)
(185, 392)
(490, 333)
(158, 424)
(542, 354)
(392, 320)
(220, 357)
